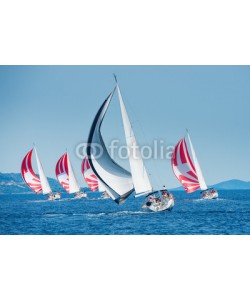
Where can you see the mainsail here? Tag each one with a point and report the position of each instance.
(185, 169)
(201, 179)
(44, 181)
(65, 174)
(139, 173)
(116, 180)
(34, 182)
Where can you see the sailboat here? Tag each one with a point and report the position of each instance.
(92, 180)
(188, 170)
(118, 182)
(66, 177)
(37, 184)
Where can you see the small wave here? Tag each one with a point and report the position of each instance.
(95, 199)
(54, 215)
(118, 213)
(38, 201)
(208, 200)
(126, 212)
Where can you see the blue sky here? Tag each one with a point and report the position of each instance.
(53, 106)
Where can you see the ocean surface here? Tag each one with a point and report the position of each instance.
(33, 214)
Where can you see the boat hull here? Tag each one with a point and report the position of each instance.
(105, 195)
(54, 196)
(159, 201)
(80, 195)
(210, 194)
(157, 207)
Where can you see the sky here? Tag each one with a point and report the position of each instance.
(54, 106)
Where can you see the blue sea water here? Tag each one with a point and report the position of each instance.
(33, 214)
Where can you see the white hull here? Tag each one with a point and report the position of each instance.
(159, 202)
(105, 196)
(210, 195)
(54, 196)
(80, 195)
(168, 205)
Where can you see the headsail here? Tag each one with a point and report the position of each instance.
(65, 174)
(44, 181)
(184, 169)
(139, 173)
(29, 175)
(116, 180)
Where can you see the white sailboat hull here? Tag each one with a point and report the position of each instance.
(209, 195)
(157, 207)
(80, 195)
(54, 196)
(105, 196)
(159, 201)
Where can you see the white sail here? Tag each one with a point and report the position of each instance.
(116, 180)
(139, 173)
(201, 179)
(44, 182)
(73, 184)
(101, 187)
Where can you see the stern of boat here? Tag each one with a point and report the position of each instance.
(159, 201)
(210, 194)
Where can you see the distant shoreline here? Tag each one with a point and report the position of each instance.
(12, 183)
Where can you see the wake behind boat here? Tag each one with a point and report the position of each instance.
(118, 182)
(188, 171)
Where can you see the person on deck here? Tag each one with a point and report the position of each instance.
(164, 195)
(150, 200)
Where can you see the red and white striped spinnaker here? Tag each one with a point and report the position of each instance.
(65, 174)
(29, 175)
(31, 179)
(188, 172)
(89, 176)
(62, 172)
(183, 167)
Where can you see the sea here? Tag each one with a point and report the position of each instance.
(30, 214)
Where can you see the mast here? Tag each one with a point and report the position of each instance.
(44, 181)
(201, 179)
(139, 173)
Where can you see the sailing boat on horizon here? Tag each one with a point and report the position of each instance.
(118, 182)
(188, 170)
(66, 177)
(35, 183)
(91, 179)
